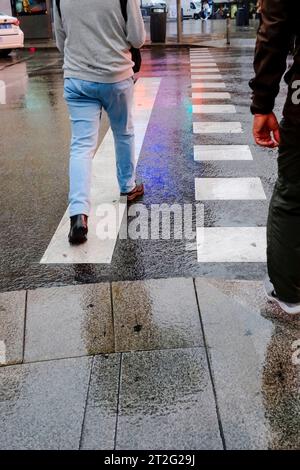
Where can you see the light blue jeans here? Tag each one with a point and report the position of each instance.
(85, 102)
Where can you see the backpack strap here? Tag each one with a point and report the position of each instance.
(122, 2)
(124, 9)
(58, 7)
(136, 53)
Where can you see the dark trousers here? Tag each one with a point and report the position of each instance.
(284, 217)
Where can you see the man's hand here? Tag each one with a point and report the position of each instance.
(266, 130)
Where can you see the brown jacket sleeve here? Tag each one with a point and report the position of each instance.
(274, 38)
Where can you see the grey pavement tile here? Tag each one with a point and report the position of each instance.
(42, 404)
(166, 402)
(101, 411)
(156, 314)
(12, 319)
(68, 322)
(251, 352)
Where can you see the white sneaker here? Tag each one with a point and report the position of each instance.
(291, 309)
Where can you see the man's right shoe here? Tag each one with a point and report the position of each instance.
(137, 192)
(79, 229)
(290, 309)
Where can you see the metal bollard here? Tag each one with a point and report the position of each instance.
(179, 22)
(228, 24)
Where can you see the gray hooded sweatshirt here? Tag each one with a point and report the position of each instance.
(95, 40)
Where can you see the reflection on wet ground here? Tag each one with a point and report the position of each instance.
(14, 81)
(256, 371)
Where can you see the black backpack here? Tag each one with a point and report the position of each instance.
(136, 53)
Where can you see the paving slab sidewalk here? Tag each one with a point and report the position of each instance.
(157, 364)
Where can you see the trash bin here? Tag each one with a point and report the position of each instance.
(158, 24)
(241, 17)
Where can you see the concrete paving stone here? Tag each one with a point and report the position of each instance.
(12, 317)
(166, 402)
(101, 411)
(42, 404)
(68, 322)
(252, 352)
(156, 314)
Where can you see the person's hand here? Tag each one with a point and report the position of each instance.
(266, 130)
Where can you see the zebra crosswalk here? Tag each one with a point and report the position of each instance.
(213, 114)
(231, 244)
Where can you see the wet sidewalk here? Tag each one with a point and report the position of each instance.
(157, 364)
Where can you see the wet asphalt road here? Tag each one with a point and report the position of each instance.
(34, 133)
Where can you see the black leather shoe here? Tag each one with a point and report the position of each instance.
(79, 229)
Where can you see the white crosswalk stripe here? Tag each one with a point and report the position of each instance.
(199, 53)
(222, 152)
(231, 244)
(211, 95)
(205, 70)
(105, 192)
(230, 189)
(201, 85)
(206, 63)
(202, 59)
(206, 77)
(212, 127)
(214, 109)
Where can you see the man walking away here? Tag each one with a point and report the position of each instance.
(95, 41)
(279, 25)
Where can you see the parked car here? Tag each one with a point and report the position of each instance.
(11, 36)
(155, 3)
(193, 10)
(147, 5)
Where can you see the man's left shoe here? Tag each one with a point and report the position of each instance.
(137, 192)
(289, 308)
(79, 229)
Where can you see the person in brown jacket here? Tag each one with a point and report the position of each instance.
(279, 27)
